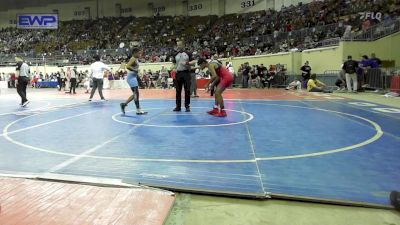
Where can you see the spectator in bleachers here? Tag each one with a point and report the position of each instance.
(366, 24)
(268, 31)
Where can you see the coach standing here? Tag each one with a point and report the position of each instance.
(182, 61)
(22, 80)
(97, 73)
(350, 67)
(73, 76)
(305, 73)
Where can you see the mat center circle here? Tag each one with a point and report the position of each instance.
(162, 117)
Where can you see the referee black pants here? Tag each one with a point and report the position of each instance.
(60, 83)
(183, 78)
(21, 88)
(73, 86)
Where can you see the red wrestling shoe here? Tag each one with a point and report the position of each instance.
(213, 111)
(221, 114)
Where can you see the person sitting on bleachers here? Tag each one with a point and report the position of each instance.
(254, 78)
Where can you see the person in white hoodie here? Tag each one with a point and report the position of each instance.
(97, 73)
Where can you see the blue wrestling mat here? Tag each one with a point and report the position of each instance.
(334, 150)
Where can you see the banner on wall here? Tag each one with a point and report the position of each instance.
(37, 21)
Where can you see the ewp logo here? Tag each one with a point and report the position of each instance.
(38, 21)
(371, 15)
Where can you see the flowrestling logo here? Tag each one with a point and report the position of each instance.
(37, 21)
(371, 15)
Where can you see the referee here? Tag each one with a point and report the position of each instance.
(22, 79)
(182, 61)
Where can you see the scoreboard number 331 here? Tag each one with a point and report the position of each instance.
(247, 4)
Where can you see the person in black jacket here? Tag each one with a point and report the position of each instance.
(305, 73)
(350, 67)
(245, 75)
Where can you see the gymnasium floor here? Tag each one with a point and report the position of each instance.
(199, 209)
(273, 143)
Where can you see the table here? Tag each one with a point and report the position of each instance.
(46, 84)
(395, 84)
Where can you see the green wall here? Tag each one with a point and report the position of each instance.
(387, 48)
(320, 60)
(272, 59)
(323, 59)
(329, 58)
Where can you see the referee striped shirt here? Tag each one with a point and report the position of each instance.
(23, 70)
(181, 59)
